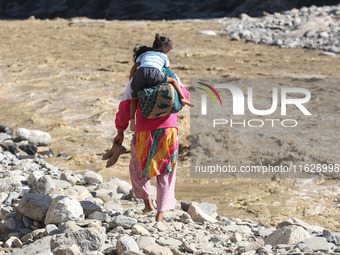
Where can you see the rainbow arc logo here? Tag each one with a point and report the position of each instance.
(209, 93)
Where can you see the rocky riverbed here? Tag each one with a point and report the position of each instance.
(67, 76)
(50, 210)
(312, 28)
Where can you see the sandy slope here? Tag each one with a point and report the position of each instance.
(68, 80)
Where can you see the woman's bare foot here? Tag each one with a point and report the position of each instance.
(160, 218)
(185, 101)
(148, 207)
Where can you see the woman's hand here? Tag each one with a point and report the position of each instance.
(119, 137)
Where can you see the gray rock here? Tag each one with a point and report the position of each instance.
(37, 137)
(123, 221)
(67, 250)
(185, 206)
(11, 184)
(12, 241)
(126, 243)
(92, 178)
(34, 177)
(264, 232)
(264, 251)
(62, 184)
(68, 225)
(3, 196)
(27, 221)
(122, 186)
(188, 247)
(331, 237)
(67, 176)
(208, 208)
(139, 230)
(157, 249)
(13, 195)
(11, 224)
(236, 238)
(87, 239)
(168, 242)
(328, 54)
(51, 229)
(4, 136)
(237, 228)
(290, 235)
(45, 185)
(144, 241)
(35, 206)
(39, 247)
(63, 209)
(90, 207)
(315, 244)
(99, 216)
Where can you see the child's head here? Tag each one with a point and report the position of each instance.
(139, 50)
(162, 44)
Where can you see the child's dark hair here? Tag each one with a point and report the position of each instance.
(139, 50)
(161, 44)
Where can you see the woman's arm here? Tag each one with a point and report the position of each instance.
(133, 69)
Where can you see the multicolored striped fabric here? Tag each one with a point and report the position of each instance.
(156, 151)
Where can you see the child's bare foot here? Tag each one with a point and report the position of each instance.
(148, 207)
(132, 125)
(185, 101)
(160, 218)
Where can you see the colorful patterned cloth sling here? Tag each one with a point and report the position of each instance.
(160, 100)
(156, 151)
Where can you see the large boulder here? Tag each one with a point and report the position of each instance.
(10, 184)
(291, 235)
(34, 206)
(87, 239)
(63, 209)
(37, 137)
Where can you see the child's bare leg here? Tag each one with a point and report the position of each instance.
(133, 108)
(148, 207)
(183, 100)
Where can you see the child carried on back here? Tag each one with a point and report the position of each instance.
(147, 72)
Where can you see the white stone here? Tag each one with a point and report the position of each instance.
(208, 32)
(36, 137)
(197, 214)
(10, 184)
(63, 209)
(139, 230)
(92, 178)
(316, 244)
(155, 249)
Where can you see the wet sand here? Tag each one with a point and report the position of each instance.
(68, 80)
